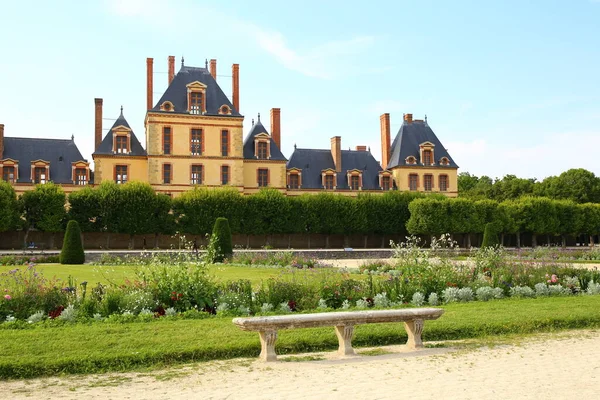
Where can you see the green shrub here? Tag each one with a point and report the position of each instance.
(72, 250)
(220, 247)
(490, 236)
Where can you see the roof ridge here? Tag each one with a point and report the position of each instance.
(30, 138)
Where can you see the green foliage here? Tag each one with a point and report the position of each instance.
(136, 205)
(9, 207)
(220, 245)
(44, 207)
(72, 250)
(428, 216)
(84, 207)
(490, 236)
(578, 185)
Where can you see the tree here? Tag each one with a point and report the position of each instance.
(108, 212)
(510, 187)
(462, 217)
(136, 209)
(163, 221)
(428, 216)
(84, 207)
(9, 207)
(220, 245)
(539, 217)
(510, 215)
(72, 249)
(579, 185)
(44, 209)
(570, 219)
(590, 215)
(490, 236)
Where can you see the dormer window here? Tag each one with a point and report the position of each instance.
(121, 140)
(10, 170)
(444, 161)
(81, 172)
(294, 178)
(225, 110)
(121, 144)
(167, 106)
(355, 179)
(196, 103)
(196, 98)
(329, 179)
(427, 157)
(385, 180)
(411, 160)
(40, 171)
(262, 146)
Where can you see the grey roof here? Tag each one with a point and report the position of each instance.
(407, 142)
(106, 147)
(249, 144)
(60, 153)
(176, 93)
(313, 161)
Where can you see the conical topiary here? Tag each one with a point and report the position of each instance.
(72, 250)
(220, 247)
(490, 236)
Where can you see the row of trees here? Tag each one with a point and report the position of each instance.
(578, 185)
(534, 215)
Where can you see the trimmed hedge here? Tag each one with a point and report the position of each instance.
(220, 246)
(490, 236)
(72, 250)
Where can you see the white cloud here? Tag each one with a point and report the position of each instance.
(551, 156)
(326, 60)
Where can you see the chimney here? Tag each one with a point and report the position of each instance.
(1, 141)
(213, 68)
(336, 152)
(408, 118)
(171, 68)
(149, 76)
(361, 148)
(384, 121)
(98, 123)
(276, 126)
(235, 73)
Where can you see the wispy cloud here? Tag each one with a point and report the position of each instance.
(326, 60)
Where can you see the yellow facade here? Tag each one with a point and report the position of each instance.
(401, 177)
(104, 168)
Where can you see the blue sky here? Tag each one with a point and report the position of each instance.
(509, 87)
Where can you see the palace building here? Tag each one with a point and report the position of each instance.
(194, 138)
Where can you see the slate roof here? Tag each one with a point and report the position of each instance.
(59, 152)
(407, 141)
(106, 147)
(176, 93)
(257, 128)
(313, 161)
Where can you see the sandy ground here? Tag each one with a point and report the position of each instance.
(559, 366)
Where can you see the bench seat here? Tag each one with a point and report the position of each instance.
(343, 322)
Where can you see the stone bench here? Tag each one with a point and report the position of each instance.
(343, 322)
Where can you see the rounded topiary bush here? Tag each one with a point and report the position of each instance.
(72, 250)
(490, 236)
(220, 247)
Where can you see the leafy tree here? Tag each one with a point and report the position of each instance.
(109, 213)
(486, 211)
(136, 208)
(590, 215)
(490, 236)
(9, 207)
(72, 250)
(84, 207)
(510, 216)
(579, 185)
(462, 218)
(44, 209)
(220, 247)
(428, 216)
(570, 219)
(539, 217)
(163, 220)
(510, 187)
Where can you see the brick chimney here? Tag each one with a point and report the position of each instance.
(361, 148)
(276, 126)
(213, 68)
(235, 74)
(336, 152)
(149, 86)
(408, 118)
(384, 121)
(171, 68)
(97, 123)
(1, 141)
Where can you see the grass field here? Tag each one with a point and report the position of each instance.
(44, 350)
(117, 273)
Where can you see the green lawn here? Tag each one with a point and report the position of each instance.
(95, 347)
(117, 273)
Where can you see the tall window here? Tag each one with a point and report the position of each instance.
(224, 143)
(224, 174)
(196, 142)
(196, 103)
(80, 176)
(121, 144)
(354, 182)
(427, 157)
(196, 175)
(413, 181)
(8, 174)
(121, 174)
(294, 181)
(262, 150)
(167, 138)
(167, 173)
(428, 182)
(385, 182)
(39, 175)
(329, 182)
(443, 183)
(263, 177)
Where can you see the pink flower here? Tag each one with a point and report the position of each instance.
(554, 278)
(7, 296)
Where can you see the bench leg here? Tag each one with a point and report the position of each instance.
(344, 334)
(267, 345)
(414, 329)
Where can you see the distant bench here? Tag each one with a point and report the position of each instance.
(32, 247)
(343, 322)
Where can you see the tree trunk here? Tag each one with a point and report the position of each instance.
(327, 241)
(51, 244)
(564, 241)
(591, 240)
(383, 241)
(289, 240)
(247, 241)
(156, 240)
(548, 240)
(534, 240)
(82, 240)
(108, 240)
(130, 246)
(366, 239)
(502, 239)
(26, 243)
(468, 240)
(518, 240)
(346, 241)
(308, 240)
